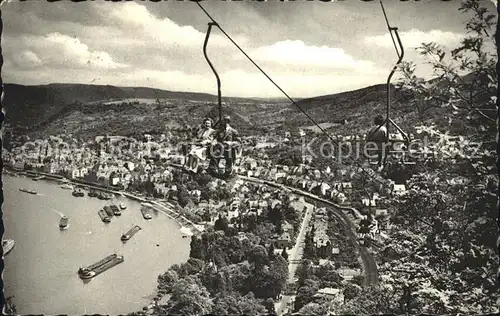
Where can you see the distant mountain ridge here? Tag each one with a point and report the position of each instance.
(88, 110)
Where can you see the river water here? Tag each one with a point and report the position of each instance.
(41, 270)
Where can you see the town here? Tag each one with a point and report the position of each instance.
(268, 203)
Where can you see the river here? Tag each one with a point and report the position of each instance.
(41, 270)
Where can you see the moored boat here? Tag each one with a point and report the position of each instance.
(108, 210)
(104, 217)
(116, 210)
(64, 222)
(92, 193)
(38, 178)
(28, 191)
(7, 245)
(131, 232)
(145, 212)
(77, 192)
(67, 186)
(123, 206)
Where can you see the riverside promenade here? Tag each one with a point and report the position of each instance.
(187, 226)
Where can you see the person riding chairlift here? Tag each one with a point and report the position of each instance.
(228, 142)
(378, 136)
(203, 137)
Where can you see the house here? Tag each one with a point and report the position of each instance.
(287, 228)
(19, 165)
(283, 241)
(346, 186)
(381, 212)
(399, 189)
(368, 202)
(337, 186)
(348, 274)
(324, 189)
(75, 173)
(333, 294)
(312, 185)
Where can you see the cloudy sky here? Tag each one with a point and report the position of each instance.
(309, 48)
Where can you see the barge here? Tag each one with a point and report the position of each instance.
(131, 232)
(145, 212)
(108, 210)
(86, 273)
(104, 217)
(116, 210)
(28, 191)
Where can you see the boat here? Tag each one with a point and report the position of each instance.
(123, 206)
(63, 181)
(131, 232)
(63, 223)
(92, 193)
(78, 193)
(107, 196)
(7, 245)
(28, 191)
(89, 274)
(67, 186)
(116, 210)
(145, 213)
(108, 210)
(104, 217)
(38, 178)
(98, 263)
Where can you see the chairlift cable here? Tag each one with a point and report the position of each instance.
(279, 88)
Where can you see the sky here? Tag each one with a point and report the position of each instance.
(309, 48)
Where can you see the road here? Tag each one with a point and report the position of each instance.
(294, 258)
(369, 265)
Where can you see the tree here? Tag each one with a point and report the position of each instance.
(258, 257)
(222, 224)
(189, 298)
(167, 280)
(305, 294)
(466, 79)
(315, 309)
(237, 305)
(284, 253)
(183, 196)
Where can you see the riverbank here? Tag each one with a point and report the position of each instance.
(187, 227)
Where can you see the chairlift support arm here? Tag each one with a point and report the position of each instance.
(219, 98)
(398, 45)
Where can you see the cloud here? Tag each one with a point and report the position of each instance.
(414, 38)
(138, 20)
(27, 60)
(57, 50)
(296, 53)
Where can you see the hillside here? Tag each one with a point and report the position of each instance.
(39, 108)
(90, 110)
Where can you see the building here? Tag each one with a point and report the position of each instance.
(283, 241)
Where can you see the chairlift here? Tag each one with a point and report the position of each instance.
(194, 165)
(391, 144)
